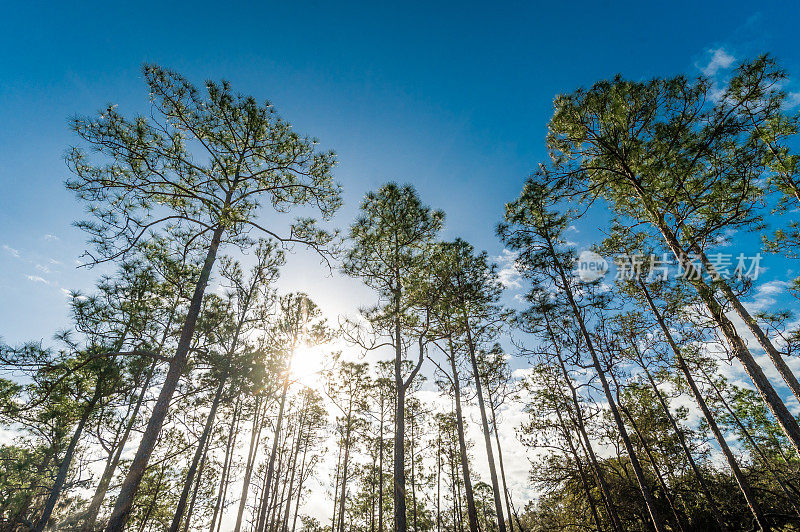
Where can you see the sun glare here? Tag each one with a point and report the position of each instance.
(308, 363)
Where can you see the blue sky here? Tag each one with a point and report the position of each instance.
(453, 98)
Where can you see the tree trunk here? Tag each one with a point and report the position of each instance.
(637, 468)
(659, 477)
(196, 487)
(775, 356)
(581, 472)
(255, 436)
(380, 470)
(399, 429)
(198, 455)
(737, 345)
(506, 493)
(122, 508)
(63, 468)
(345, 460)
(587, 444)
(682, 438)
(472, 512)
(487, 437)
(219, 507)
(744, 486)
(273, 453)
(766, 461)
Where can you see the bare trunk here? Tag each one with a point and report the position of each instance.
(637, 468)
(775, 356)
(219, 507)
(737, 345)
(487, 437)
(196, 488)
(124, 503)
(744, 486)
(581, 472)
(255, 436)
(472, 512)
(63, 468)
(198, 455)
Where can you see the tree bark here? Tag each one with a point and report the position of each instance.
(487, 437)
(472, 513)
(744, 486)
(637, 468)
(198, 455)
(122, 508)
(63, 468)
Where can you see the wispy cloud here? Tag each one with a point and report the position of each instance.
(48, 236)
(792, 100)
(37, 279)
(720, 60)
(508, 273)
(42, 268)
(14, 253)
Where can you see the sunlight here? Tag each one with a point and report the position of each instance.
(307, 364)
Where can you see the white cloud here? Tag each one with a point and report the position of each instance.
(720, 60)
(14, 253)
(508, 273)
(792, 100)
(50, 237)
(42, 268)
(37, 279)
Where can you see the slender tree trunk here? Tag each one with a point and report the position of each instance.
(766, 461)
(255, 436)
(63, 468)
(336, 486)
(506, 493)
(605, 491)
(399, 469)
(581, 472)
(682, 438)
(219, 507)
(153, 500)
(472, 512)
(198, 455)
(196, 487)
(276, 437)
(345, 461)
(736, 343)
(300, 484)
(773, 353)
(124, 503)
(637, 468)
(380, 470)
(487, 437)
(439, 482)
(413, 477)
(108, 472)
(744, 485)
(659, 477)
(295, 453)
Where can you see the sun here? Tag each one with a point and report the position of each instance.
(308, 362)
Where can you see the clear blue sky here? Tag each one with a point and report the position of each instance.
(453, 98)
